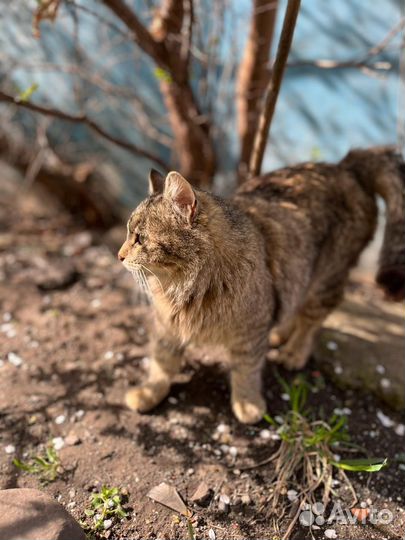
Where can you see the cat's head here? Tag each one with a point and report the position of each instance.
(167, 230)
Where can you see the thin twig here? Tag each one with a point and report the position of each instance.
(273, 88)
(85, 120)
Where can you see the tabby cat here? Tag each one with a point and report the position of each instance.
(275, 257)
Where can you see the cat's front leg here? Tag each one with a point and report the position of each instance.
(167, 355)
(247, 401)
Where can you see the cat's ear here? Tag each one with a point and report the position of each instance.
(180, 192)
(156, 182)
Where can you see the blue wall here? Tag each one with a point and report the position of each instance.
(320, 114)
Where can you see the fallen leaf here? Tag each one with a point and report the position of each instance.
(168, 496)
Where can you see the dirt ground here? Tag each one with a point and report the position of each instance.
(79, 334)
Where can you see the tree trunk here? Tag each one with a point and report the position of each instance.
(253, 76)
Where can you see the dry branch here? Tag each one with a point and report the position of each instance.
(273, 89)
(163, 43)
(85, 120)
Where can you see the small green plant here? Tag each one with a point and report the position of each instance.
(47, 466)
(307, 456)
(106, 509)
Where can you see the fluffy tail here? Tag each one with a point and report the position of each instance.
(381, 170)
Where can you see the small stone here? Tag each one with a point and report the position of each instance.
(107, 523)
(58, 443)
(211, 534)
(233, 451)
(330, 533)
(172, 400)
(9, 449)
(245, 499)
(14, 359)
(109, 355)
(385, 383)
(72, 439)
(223, 428)
(223, 503)
(201, 494)
(265, 434)
(380, 369)
(338, 370)
(190, 472)
(384, 419)
(285, 397)
(292, 495)
(332, 345)
(400, 430)
(60, 419)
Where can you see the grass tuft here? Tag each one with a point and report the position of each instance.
(306, 458)
(105, 509)
(47, 467)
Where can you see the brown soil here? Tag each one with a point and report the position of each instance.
(82, 334)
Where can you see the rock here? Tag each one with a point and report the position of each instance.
(370, 347)
(202, 494)
(30, 514)
(224, 503)
(55, 275)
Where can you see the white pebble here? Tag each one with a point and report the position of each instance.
(211, 534)
(107, 523)
(60, 419)
(58, 443)
(292, 495)
(385, 383)
(7, 316)
(400, 430)
(285, 397)
(172, 400)
(338, 370)
(380, 369)
(279, 419)
(332, 345)
(330, 533)
(95, 303)
(223, 428)
(384, 419)
(233, 451)
(14, 359)
(9, 449)
(224, 499)
(109, 355)
(265, 434)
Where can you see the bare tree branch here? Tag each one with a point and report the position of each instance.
(162, 43)
(85, 120)
(253, 75)
(142, 36)
(273, 89)
(363, 62)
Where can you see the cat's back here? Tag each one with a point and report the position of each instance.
(319, 194)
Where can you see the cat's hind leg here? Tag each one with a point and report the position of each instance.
(321, 300)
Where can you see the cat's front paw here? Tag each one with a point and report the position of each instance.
(249, 411)
(146, 397)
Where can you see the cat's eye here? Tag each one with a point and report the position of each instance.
(140, 238)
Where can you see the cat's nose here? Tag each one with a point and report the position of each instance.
(121, 257)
